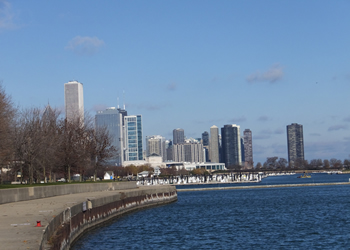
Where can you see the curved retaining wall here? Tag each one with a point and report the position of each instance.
(31, 193)
(72, 223)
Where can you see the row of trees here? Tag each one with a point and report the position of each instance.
(37, 144)
(276, 163)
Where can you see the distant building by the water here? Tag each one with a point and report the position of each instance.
(295, 140)
(231, 145)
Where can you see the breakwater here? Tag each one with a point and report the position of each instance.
(262, 186)
(202, 179)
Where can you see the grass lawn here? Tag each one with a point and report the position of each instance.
(4, 186)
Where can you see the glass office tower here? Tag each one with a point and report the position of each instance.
(231, 145)
(133, 138)
(113, 120)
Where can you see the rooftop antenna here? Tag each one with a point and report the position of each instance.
(118, 102)
(123, 99)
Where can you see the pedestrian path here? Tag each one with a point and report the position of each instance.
(18, 220)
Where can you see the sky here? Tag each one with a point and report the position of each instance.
(260, 64)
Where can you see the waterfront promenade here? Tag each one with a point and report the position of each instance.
(19, 219)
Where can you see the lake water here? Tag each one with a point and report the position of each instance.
(274, 218)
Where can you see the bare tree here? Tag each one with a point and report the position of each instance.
(258, 165)
(326, 164)
(7, 115)
(271, 163)
(50, 137)
(99, 146)
(70, 151)
(30, 141)
(337, 164)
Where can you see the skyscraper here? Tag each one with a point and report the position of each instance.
(74, 100)
(169, 150)
(190, 151)
(205, 142)
(214, 144)
(248, 147)
(113, 120)
(155, 145)
(295, 140)
(205, 138)
(178, 136)
(231, 145)
(133, 138)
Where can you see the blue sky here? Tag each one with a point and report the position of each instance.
(190, 64)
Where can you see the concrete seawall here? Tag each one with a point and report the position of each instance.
(31, 193)
(65, 218)
(72, 223)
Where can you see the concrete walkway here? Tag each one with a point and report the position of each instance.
(19, 219)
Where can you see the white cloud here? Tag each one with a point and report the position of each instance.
(238, 119)
(315, 134)
(172, 86)
(99, 107)
(347, 119)
(264, 118)
(6, 15)
(84, 45)
(272, 75)
(337, 127)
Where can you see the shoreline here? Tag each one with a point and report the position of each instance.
(263, 186)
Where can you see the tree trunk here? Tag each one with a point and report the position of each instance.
(68, 179)
(31, 177)
(45, 180)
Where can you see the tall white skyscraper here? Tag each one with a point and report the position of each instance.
(214, 144)
(74, 100)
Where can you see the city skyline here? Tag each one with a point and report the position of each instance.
(288, 64)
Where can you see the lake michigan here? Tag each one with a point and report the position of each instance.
(315, 217)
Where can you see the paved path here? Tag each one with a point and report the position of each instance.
(18, 219)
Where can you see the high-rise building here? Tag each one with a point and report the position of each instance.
(242, 150)
(155, 145)
(169, 150)
(205, 138)
(74, 100)
(295, 140)
(214, 144)
(231, 145)
(178, 136)
(190, 151)
(113, 120)
(248, 147)
(133, 138)
(205, 142)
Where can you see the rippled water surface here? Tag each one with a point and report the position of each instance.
(274, 218)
